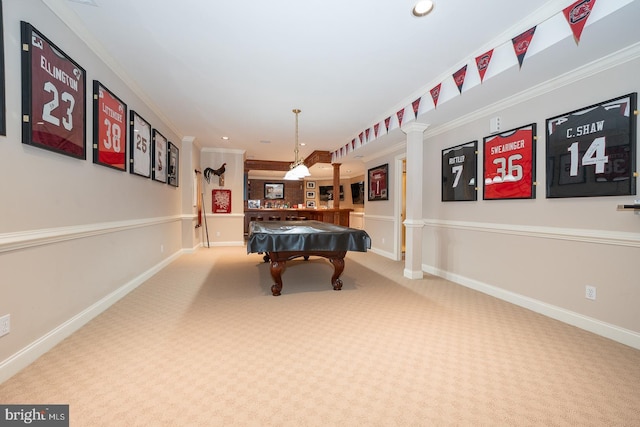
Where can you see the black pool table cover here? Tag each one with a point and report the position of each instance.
(281, 236)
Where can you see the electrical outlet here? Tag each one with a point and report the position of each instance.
(5, 324)
(590, 292)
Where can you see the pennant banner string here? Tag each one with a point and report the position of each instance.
(576, 16)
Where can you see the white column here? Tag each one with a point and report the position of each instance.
(414, 222)
(187, 210)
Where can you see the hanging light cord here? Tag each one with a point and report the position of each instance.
(296, 162)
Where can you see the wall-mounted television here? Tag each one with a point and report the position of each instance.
(326, 193)
(357, 193)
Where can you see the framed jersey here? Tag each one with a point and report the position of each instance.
(109, 128)
(53, 96)
(140, 145)
(592, 151)
(379, 183)
(459, 169)
(159, 170)
(173, 162)
(509, 164)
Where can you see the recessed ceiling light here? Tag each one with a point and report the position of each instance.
(422, 8)
(226, 138)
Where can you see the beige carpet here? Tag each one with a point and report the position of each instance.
(203, 343)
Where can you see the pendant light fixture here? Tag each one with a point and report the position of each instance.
(297, 169)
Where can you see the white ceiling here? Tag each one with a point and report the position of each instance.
(215, 68)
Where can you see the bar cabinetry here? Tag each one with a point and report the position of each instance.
(332, 216)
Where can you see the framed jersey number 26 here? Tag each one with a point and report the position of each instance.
(53, 96)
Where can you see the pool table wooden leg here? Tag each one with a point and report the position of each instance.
(338, 268)
(277, 267)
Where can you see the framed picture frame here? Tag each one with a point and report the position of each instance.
(592, 151)
(509, 160)
(311, 204)
(378, 183)
(459, 169)
(325, 193)
(3, 102)
(159, 160)
(173, 164)
(221, 201)
(53, 109)
(139, 145)
(253, 203)
(311, 185)
(310, 195)
(273, 190)
(109, 128)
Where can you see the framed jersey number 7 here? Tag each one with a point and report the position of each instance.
(459, 169)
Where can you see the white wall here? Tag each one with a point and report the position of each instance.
(541, 253)
(346, 182)
(224, 229)
(380, 216)
(74, 236)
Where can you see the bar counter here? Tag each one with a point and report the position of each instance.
(332, 216)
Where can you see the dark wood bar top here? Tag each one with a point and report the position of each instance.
(333, 216)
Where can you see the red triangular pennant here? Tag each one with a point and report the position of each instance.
(366, 134)
(521, 44)
(361, 135)
(482, 62)
(459, 76)
(375, 129)
(577, 15)
(386, 122)
(400, 115)
(435, 94)
(353, 144)
(416, 105)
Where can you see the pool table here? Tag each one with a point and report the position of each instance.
(285, 240)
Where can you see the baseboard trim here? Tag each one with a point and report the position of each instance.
(383, 253)
(232, 243)
(23, 358)
(409, 274)
(607, 330)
